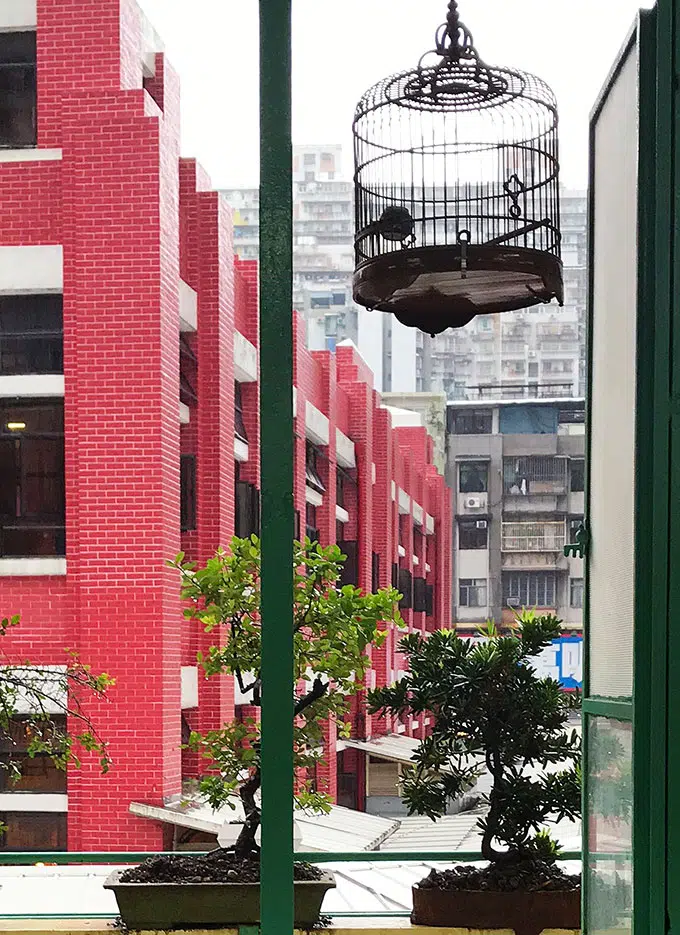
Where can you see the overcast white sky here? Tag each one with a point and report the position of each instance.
(341, 47)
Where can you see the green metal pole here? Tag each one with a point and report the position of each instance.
(276, 453)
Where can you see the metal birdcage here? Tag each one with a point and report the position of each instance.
(456, 189)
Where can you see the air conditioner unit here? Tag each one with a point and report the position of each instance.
(513, 602)
(473, 503)
(481, 524)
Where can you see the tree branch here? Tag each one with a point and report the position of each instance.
(319, 689)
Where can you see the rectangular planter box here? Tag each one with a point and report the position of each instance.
(185, 905)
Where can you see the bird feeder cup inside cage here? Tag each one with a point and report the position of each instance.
(456, 189)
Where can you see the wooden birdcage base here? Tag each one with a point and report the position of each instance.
(424, 287)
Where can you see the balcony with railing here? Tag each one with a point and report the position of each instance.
(542, 390)
(533, 537)
(535, 475)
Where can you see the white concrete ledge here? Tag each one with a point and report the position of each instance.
(404, 503)
(429, 524)
(416, 560)
(418, 514)
(245, 359)
(313, 497)
(31, 269)
(32, 384)
(188, 307)
(184, 414)
(189, 687)
(33, 802)
(240, 450)
(341, 515)
(402, 551)
(31, 567)
(30, 155)
(18, 15)
(317, 425)
(345, 453)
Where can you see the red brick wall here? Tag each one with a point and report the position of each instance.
(133, 218)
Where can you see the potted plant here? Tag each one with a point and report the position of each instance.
(333, 627)
(491, 712)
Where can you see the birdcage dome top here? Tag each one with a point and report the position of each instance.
(456, 87)
(456, 188)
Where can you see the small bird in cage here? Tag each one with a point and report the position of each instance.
(396, 225)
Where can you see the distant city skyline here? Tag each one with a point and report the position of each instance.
(341, 49)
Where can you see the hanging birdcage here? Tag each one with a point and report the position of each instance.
(456, 189)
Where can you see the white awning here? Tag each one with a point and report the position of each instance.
(391, 747)
(341, 830)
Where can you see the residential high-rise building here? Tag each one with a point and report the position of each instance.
(129, 427)
(535, 352)
(323, 264)
(517, 469)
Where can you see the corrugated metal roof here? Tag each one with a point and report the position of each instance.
(341, 830)
(448, 834)
(392, 747)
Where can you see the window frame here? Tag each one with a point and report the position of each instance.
(469, 586)
(187, 493)
(582, 468)
(470, 525)
(473, 468)
(21, 520)
(31, 330)
(15, 60)
(576, 587)
(527, 586)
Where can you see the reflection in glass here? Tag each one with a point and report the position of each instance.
(610, 808)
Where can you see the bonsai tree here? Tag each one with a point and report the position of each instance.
(332, 629)
(490, 711)
(33, 697)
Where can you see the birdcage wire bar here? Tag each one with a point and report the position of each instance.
(456, 188)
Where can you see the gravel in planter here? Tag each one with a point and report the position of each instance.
(220, 866)
(527, 876)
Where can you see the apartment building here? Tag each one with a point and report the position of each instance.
(517, 469)
(323, 264)
(130, 424)
(536, 352)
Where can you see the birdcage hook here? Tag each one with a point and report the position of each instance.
(454, 40)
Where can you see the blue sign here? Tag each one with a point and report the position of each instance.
(562, 661)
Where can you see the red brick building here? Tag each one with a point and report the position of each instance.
(129, 429)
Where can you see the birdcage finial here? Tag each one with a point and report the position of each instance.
(454, 39)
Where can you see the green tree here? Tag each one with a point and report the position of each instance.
(31, 697)
(490, 710)
(333, 627)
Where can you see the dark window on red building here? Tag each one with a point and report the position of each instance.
(419, 595)
(33, 831)
(31, 334)
(38, 772)
(188, 370)
(311, 524)
(18, 92)
(187, 488)
(312, 475)
(429, 599)
(32, 495)
(375, 573)
(239, 424)
(247, 496)
(350, 570)
(405, 589)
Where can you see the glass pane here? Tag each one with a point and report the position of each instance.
(610, 804)
(612, 462)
